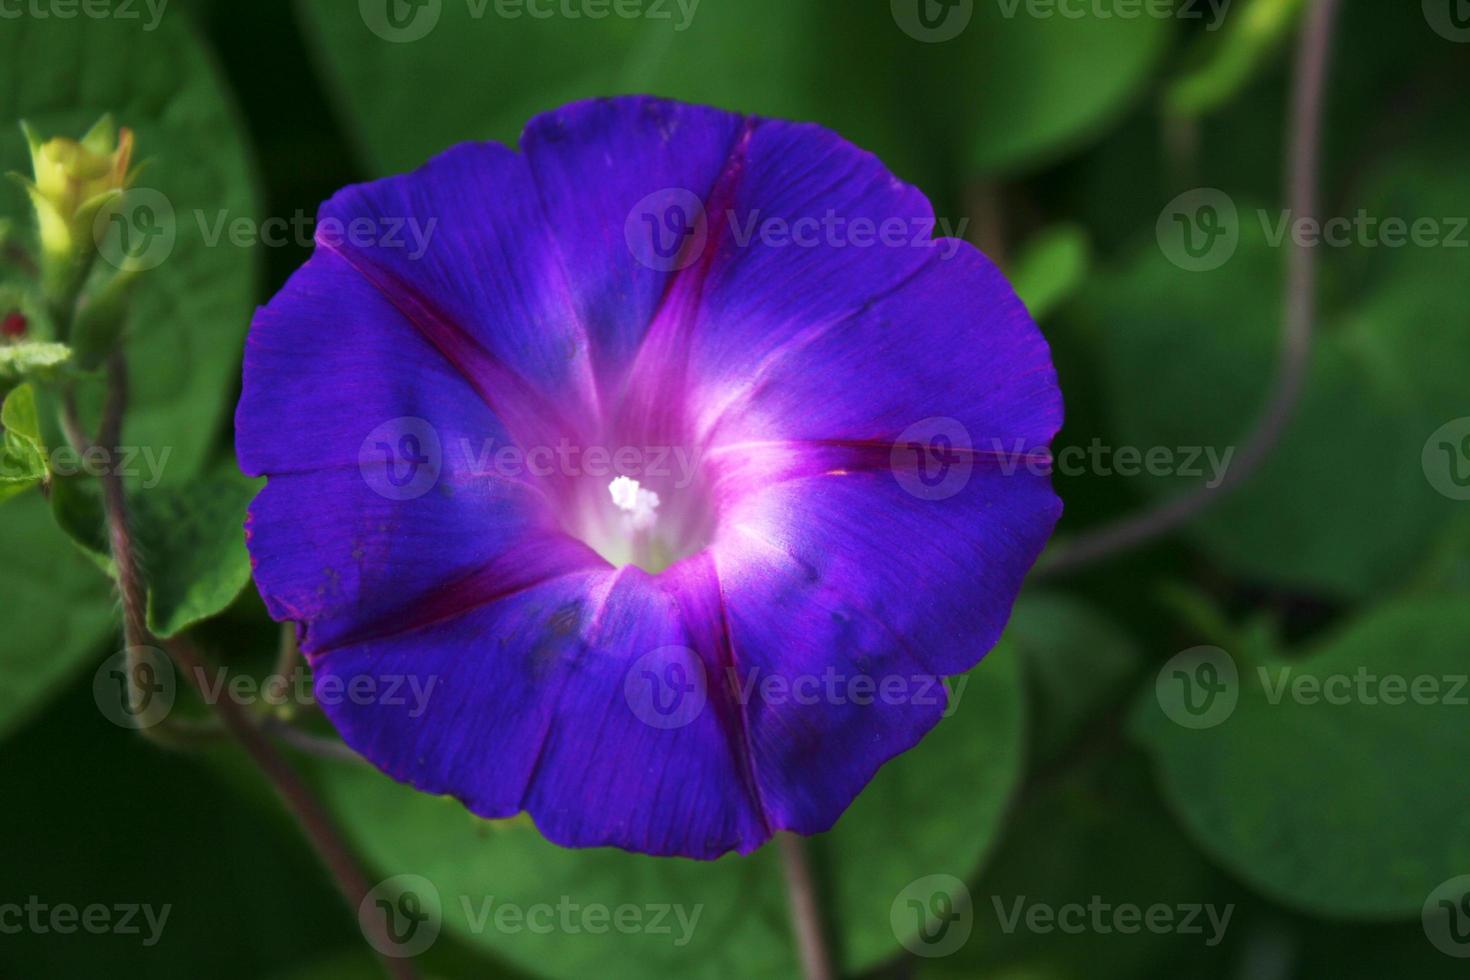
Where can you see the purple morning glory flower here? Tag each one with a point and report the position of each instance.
(645, 479)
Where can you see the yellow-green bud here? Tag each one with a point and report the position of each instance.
(73, 180)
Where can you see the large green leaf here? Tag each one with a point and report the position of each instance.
(1076, 844)
(1023, 88)
(58, 608)
(1342, 506)
(1337, 782)
(192, 309)
(894, 833)
(469, 73)
(1078, 661)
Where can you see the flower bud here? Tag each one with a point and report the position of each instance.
(73, 180)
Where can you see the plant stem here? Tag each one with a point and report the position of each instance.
(315, 822)
(806, 915)
(1305, 137)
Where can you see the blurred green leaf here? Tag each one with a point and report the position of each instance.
(58, 609)
(893, 834)
(1078, 661)
(1335, 784)
(1020, 88)
(32, 357)
(1252, 33)
(1187, 358)
(1098, 838)
(469, 73)
(22, 453)
(1051, 267)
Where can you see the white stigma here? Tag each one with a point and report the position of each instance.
(639, 504)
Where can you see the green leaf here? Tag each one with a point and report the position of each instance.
(1253, 33)
(1187, 359)
(58, 609)
(489, 74)
(1333, 784)
(1078, 662)
(22, 452)
(1098, 837)
(32, 357)
(893, 834)
(190, 541)
(1051, 267)
(1023, 89)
